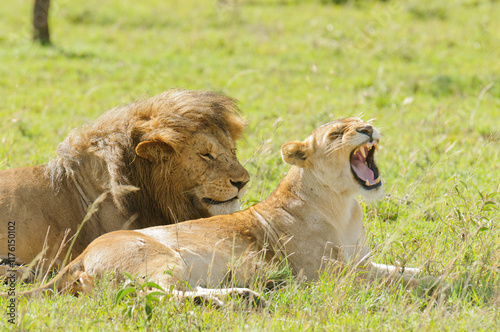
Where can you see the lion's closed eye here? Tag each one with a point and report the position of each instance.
(206, 156)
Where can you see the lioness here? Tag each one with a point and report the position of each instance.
(313, 215)
(177, 148)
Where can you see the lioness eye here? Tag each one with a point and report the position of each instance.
(335, 135)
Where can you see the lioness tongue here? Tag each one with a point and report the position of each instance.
(362, 171)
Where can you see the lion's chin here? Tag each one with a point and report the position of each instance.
(224, 208)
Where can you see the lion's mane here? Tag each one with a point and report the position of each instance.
(108, 144)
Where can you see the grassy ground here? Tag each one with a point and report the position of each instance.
(428, 71)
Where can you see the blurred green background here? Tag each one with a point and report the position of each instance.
(427, 71)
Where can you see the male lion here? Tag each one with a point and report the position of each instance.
(311, 217)
(177, 148)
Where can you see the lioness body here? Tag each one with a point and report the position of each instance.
(177, 149)
(311, 217)
(201, 251)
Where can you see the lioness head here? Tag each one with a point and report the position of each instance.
(341, 155)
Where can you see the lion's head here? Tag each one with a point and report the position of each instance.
(178, 148)
(341, 154)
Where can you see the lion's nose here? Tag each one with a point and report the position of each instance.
(239, 184)
(367, 130)
(241, 179)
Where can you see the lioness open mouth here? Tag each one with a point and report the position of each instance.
(214, 202)
(363, 166)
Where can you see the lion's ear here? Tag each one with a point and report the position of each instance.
(153, 150)
(295, 153)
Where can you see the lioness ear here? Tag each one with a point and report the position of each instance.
(153, 150)
(295, 153)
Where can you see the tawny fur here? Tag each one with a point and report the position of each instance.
(177, 148)
(310, 218)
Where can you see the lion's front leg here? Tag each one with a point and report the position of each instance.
(391, 273)
(202, 295)
(410, 277)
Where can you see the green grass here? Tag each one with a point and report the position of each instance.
(428, 71)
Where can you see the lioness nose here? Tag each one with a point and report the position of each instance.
(367, 130)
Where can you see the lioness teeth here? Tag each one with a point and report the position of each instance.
(375, 144)
(377, 180)
(367, 183)
(363, 152)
